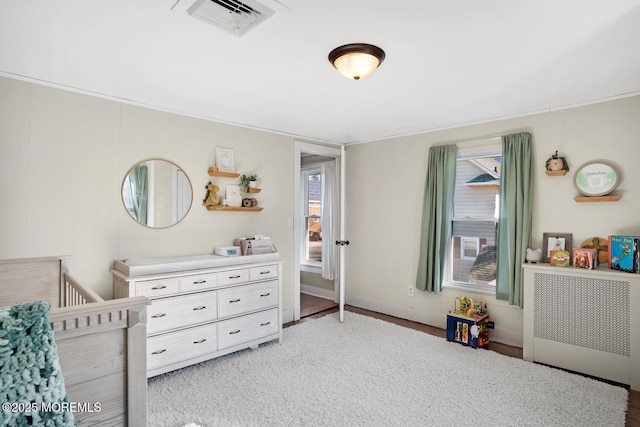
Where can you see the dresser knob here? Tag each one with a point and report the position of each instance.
(234, 332)
(234, 277)
(159, 351)
(199, 282)
(265, 324)
(157, 316)
(265, 272)
(234, 301)
(265, 295)
(158, 287)
(202, 307)
(200, 342)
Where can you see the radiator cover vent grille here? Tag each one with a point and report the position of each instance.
(585, 312)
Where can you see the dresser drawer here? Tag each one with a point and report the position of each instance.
(178, 346)
(175, 312)
(243, 299)
(198, 282)
(233, 276)
(157, 288)
(247, 328)
(262, 273)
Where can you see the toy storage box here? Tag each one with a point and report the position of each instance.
(460, 329)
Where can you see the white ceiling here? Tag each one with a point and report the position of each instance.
(448, 63)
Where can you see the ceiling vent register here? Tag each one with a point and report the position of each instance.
(232, 16)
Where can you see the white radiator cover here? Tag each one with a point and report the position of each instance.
(583, 320)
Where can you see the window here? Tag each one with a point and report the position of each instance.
(312, 208)
(470, 246)
(471, 262)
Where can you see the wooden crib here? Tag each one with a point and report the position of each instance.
(101, 344)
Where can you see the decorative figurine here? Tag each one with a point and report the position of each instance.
(556, 163)
(211, 199)
(534, 256)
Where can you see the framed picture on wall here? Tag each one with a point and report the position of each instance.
(224, 159)
(555, 242)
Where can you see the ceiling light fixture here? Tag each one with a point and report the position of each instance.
(356, 60)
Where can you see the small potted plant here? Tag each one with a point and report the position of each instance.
(248, 181)
(557, 164)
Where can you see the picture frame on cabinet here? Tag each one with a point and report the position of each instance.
(224, 159)
(555, 242)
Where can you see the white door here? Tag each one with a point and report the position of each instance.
(301, 149)
(182, 195)
(343, 240)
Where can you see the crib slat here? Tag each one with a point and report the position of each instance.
(74, 294)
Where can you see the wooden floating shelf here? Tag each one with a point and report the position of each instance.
(594, 199)
(233, 209)
(213, 171)
(253, 190)
(556, 173)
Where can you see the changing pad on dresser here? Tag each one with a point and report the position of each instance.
(134, 267)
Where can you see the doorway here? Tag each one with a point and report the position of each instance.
(311, 305)
(317, 189)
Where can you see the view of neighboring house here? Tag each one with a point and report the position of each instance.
(475, 223)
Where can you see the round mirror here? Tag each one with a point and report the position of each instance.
(157, 193)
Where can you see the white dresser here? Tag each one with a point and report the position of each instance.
(583, 320)
(203, 306)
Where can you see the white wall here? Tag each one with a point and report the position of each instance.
(385, 184)
(63, 157)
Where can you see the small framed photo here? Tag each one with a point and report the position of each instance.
(555, 242)
(233, 195)
(224, 159)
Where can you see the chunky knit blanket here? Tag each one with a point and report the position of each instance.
(32, 391)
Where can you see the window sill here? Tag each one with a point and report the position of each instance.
(311, 268)
(478, 289)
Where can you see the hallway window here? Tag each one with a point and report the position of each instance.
(312, 206)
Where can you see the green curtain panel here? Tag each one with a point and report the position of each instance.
(514, 228)
(436, 217)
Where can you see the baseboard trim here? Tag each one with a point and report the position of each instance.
(398, 311)
(317, 292)
(499, 335)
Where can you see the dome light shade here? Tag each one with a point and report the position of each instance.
(356, 60)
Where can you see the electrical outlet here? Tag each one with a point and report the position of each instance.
(410, 292)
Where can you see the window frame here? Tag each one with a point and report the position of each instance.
(470, 150)
(305, 172)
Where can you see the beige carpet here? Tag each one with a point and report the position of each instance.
(367, 372)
